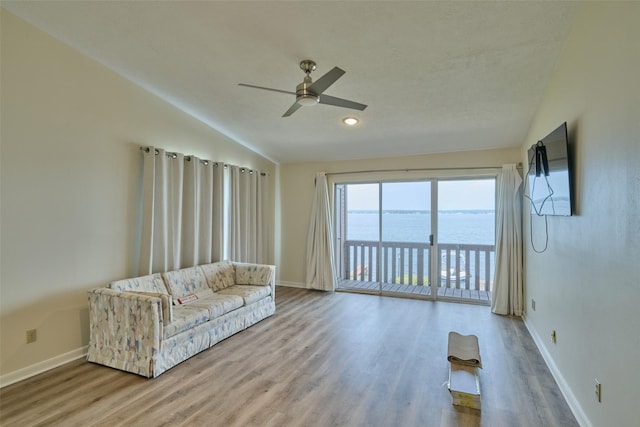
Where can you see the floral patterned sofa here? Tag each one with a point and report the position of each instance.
(149, 324)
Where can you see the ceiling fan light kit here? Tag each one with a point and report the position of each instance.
(307, 100)
(310, 93)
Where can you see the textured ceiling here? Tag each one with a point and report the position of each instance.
(436, 76)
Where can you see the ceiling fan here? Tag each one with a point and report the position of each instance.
(311, 93)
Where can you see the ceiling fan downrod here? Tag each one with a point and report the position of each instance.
(303, 95)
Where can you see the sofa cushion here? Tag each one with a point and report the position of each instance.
(220, 275)
(185, 281)
(217, 304)
(152, 283)
(185, 317)
(249, 293)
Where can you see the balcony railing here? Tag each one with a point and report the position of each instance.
(459, 266)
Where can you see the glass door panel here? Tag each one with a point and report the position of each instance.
(406, 234)
(357, 236)
(383, 237)
(466, 239)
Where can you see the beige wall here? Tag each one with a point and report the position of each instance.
(297, 184)
(71, 131)
(586, 285)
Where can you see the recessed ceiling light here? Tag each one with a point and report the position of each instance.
(350, 121)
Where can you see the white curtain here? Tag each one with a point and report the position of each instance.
(161, 211)
(202, 207)
(248, 195)
(321, 272)
(184, 213)
(235, 212)
(194, 220)
(508, 294)
(218, 237)
(262, 217)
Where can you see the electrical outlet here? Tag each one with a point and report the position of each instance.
(533, 304)
(553, 336)
(31, 336)
(598, 391)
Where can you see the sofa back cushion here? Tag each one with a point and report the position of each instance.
(152, 283)
(185, 281)
(220, 275)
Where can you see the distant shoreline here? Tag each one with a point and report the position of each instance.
(453, 211)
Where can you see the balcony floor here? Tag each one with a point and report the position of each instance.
(471, 296)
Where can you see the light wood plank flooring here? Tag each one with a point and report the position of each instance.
(324, 359)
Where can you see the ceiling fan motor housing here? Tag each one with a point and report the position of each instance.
(304, 96)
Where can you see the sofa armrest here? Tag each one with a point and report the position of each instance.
(167, 304)
(256, 274)
(125, 324)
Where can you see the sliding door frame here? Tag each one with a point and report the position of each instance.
(433, 177)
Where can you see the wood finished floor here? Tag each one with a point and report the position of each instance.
(324, 359)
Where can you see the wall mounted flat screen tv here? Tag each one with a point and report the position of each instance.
(549, 174)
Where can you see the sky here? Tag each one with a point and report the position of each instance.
(452, 195)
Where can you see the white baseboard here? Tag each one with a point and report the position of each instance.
(292, 285)
(40, 367)
(566, 391)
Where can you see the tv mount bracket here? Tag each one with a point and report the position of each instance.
(541, 159)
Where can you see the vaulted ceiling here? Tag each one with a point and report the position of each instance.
(436, 76)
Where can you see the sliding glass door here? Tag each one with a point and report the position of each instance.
(389, 242)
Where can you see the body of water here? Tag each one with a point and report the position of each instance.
(469, 227)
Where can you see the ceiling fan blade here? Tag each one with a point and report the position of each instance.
(267, 88)
(325, 81)
(292, 109)
(339, 102)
